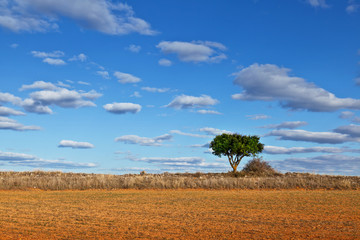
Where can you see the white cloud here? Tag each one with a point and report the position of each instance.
(357, 81)
(10, 156)
(61, 84)
(22, 159)
(258, 116)
(33, 106)
(185, 101)
(92, 95)
(11, 124)
(318, 137)
(318, 3)
(100, 15)
(126, 78)
(194, 51)
(289, 125)
(272, 83)
(74, 144)
(81, 57)
(165, 62)
(144, 141)
(14, 45)
(203, 111)
(155, 90)
(53, 54)
(122, 108)
(54, 61)
(134, 48)
(136, 94)
(346, 115)
(206, 145)
(84, 83)
(104, 74)
(39, 85)
(63, 98)
(188, 134)
(351, 130)
(40, 101)
(9, 98)
(181, 163)
(352, 7)
(213, 131)
(298, 150)
(5, 111)
(326, 164)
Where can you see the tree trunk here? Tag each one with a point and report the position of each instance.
(234, 167)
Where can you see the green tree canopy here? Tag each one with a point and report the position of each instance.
(235, 147)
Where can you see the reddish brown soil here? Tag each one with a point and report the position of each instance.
(180, 214)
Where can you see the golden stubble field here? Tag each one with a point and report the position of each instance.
(180, 214)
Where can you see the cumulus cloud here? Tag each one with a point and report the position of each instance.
(203, 111)
(74, 144)
(50, 94)
(185, 101)
(100, 15)
(92, 94)
(84, 83)
(289, 125)
(81, 57)
(64, 98)
(5, 111)
(194, 51)
(318, 3)
(126, 78)
(11, 124)
(346, 115)
(134, 48)
(22, 159)
(297, 150)
(269, 82)
(14, 45)
(39, 85)
(10, 156)
(33, 106)
(136, 94)
(122, 108)
(104, 74)
(351, 130)
(352, 7)
(307, 136)
(9, 98)
(53, 54)
(258, 116)
(54, 61)
(213, 131)
(188, 134)
(206, 145)
(181, 163)
(144, 141)
(165, 62)
(155, 90)
(325, 164)
(57, 164)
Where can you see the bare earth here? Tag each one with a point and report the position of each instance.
(180, 214)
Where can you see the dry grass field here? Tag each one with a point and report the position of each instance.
(180, 214)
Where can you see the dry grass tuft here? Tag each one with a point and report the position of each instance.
(243, 180)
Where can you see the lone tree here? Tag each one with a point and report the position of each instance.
(235, 147)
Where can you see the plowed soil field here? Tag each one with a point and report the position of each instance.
(180, 214)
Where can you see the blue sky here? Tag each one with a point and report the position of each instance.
(115, 87)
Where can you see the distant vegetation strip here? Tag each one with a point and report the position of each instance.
(80, 181)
